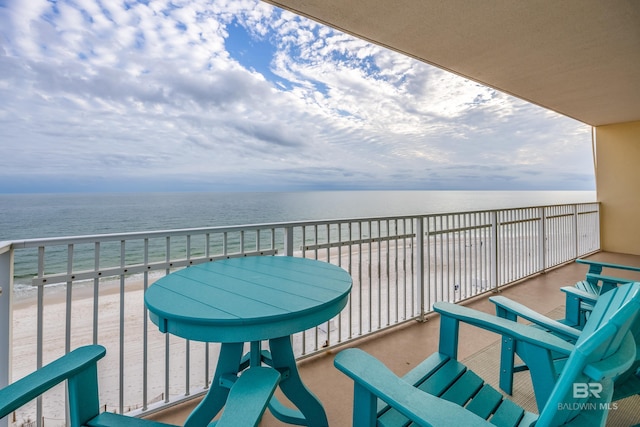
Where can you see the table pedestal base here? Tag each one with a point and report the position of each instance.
(309, 412)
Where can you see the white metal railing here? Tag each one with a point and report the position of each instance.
(59, 293)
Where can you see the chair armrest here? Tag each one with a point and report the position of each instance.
(33, 385)
(579, 301)
(596, 266)
(249, 397)
(374, 377)
(498, 325)
(505, 305)
(580, 294)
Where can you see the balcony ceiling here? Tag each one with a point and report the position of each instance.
(580, 58)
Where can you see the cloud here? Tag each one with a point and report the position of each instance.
(242, 95)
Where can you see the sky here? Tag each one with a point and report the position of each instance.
(237, 95)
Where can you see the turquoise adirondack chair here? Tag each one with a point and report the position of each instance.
(580, 300)
(579, 297)
(441, 391)
(247, 401)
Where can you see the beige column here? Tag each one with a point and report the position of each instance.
(617, 157)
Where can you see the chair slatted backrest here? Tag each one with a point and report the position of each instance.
(590, 285)
(605, 349)
(607, 305)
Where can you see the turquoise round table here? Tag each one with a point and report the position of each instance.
(251, 299)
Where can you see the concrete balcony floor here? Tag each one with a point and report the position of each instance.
(403, 347)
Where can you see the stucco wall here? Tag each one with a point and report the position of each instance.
(618, 186)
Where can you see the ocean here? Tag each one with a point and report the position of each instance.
(25, 216)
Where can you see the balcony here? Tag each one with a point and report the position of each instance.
(77, 290)
(419, 339)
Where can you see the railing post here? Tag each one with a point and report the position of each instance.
(288, 241)
(6, 316)
(598, 230)
(542, 243)
(576, 245)
(420, 265)
(494, 249)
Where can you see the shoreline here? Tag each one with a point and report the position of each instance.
(57, 293)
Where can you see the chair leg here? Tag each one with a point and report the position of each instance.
(507, 360)
(83, 396)
(364, 407)
(543, 373)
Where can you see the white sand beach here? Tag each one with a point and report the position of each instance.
(108, 335)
